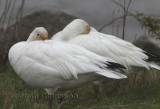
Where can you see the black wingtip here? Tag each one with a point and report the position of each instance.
(114, 65)
(152, 57)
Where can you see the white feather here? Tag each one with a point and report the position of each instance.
(153, 65)
(121, 51)
(111, 74)
(52, 64)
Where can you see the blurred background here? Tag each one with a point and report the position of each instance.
(96, 13)
(137, 21)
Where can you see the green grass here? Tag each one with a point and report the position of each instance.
(140, 91)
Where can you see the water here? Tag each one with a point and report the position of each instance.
(95, 12)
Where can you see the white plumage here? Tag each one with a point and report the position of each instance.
(56, 65)
(105, 45)
(118, 50)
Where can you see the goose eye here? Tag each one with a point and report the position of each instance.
(37, 34)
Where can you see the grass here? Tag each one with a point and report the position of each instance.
(140, 91)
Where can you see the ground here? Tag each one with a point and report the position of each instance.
(140, 91)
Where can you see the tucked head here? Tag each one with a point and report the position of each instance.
(39, 33)
(73, 29)
(78, 26)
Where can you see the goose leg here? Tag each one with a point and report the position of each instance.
(62, 99)
(96, 88)
(50, 101)
(50, 92)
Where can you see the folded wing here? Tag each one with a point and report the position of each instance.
(118, 50)
(52, 58)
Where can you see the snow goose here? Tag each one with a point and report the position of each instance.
(54, 65)
(123, 52)
(105, 45)
(39, 33)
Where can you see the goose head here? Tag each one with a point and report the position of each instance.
(73, 29)
(39, 33)
(77, 27)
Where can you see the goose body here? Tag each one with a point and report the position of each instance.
(57, 65)
(118, 50)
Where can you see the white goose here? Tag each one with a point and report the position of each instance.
(54, 65)
(105, 45)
